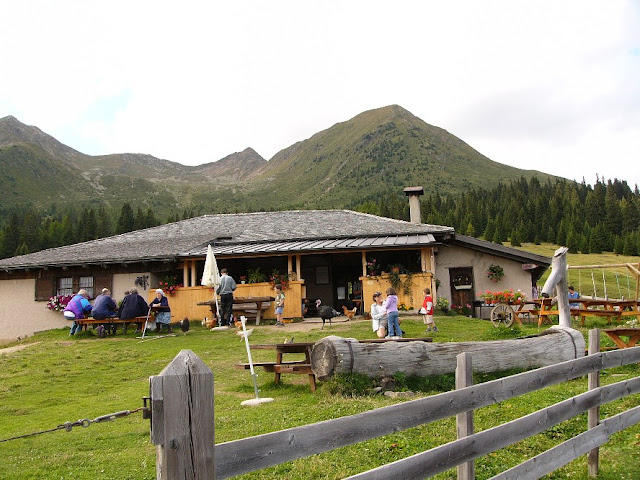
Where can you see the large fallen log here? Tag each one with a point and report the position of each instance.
(336, 355)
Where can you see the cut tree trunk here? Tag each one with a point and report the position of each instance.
(336, 355)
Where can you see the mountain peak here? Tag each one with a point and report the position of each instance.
(14, 132)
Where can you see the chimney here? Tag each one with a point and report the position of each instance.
(414, 202)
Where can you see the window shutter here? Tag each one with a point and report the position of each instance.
(100, 281)
(45, 288)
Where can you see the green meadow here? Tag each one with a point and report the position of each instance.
(58, 378)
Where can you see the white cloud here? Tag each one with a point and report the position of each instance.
(543, 85)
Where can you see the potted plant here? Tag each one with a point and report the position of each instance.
(394, 279)
(243, 279)
(256, 276)
(279, 278)
(373, 268)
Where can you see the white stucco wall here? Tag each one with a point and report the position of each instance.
(457, 257)
(20, 315)
(125, 281)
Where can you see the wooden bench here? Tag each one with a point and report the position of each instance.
(250, 310)
(284, 367)
(111, 323)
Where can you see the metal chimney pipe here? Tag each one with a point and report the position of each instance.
(414, 202)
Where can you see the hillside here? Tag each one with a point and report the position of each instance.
(376, 152)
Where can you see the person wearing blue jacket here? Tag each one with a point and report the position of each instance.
(104, 306)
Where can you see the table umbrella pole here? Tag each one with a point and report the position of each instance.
(257, 400)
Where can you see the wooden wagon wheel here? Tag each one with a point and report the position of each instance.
(502, 313)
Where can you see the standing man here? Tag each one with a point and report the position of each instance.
(225, 290)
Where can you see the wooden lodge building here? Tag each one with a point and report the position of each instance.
(324, 252)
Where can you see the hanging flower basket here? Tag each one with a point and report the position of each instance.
(495, 273)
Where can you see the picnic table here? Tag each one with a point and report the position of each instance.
(261, 303)
(633, 335)
(612, 309)
(303, 367)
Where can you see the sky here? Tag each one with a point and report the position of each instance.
(547, 85)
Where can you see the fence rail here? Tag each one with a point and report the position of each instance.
(254, 453)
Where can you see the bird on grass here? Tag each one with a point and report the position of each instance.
(349, 313)
(209, 322)
(241, 333)
(326, 312)
(184, 324)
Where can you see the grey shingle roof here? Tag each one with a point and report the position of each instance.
(190, 237)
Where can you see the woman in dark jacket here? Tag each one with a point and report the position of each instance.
(132, 306)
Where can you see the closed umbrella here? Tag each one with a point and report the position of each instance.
(211, 275)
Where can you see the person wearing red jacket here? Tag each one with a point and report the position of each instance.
(427, 311)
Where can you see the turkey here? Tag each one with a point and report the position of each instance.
(326, 312)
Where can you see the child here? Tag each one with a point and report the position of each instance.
(378, 316)
(427, 304)
(279, 305)
(391, 307)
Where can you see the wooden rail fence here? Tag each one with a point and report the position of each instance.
(182, 423)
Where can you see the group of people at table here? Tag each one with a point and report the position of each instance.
(384, 314)
(105, 308)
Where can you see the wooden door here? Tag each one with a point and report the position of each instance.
(462, 288)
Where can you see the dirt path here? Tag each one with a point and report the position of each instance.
(310, 324)
(17, 348)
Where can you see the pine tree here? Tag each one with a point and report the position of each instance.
(22, 249)
(104, 223)
(126, 220)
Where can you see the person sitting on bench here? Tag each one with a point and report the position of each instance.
(160, 305)
(132, 306)
(105, 307)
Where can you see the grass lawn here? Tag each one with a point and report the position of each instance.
(60, 378)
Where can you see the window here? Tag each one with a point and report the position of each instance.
(322, 275)
(65, 286)
(87, 284)
(48, 283)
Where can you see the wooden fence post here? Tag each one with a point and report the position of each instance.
(593, 416)
(464, 421)
(182, 422)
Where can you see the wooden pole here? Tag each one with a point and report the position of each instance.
(364, 263)
(557, 282)
(464, 420)
(334, 354)
(593, 416)
(182, 422)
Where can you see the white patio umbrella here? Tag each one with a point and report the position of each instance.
(211, 275)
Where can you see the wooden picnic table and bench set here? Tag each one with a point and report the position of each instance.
(303, 367)
(112, 323)
(544, 307)
(250, 307)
